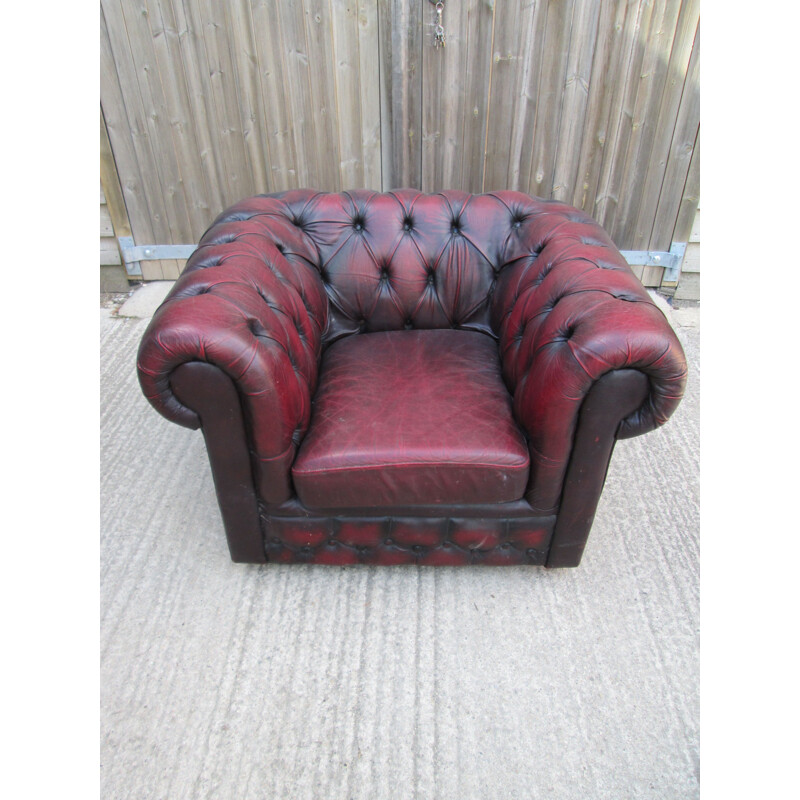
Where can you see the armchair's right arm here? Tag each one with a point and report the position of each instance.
(244, 307)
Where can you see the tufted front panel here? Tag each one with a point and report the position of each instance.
(395, 540)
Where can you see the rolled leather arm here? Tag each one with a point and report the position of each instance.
(243, 307)
(567, 310)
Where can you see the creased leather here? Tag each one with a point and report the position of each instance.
(388, 540)
(279, 277)
(411, 417)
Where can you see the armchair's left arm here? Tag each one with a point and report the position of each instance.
(569, 312)
(244, 307)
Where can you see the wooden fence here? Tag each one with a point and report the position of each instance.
(594, 103)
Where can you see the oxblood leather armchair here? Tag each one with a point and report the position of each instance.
(408, 378)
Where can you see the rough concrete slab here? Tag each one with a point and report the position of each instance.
(113, 278)
(688, 286)
(146, 299)
(688, 317)
(222, 681)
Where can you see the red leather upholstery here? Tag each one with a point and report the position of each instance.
(278, 278)
(427, 541)
(408, 418)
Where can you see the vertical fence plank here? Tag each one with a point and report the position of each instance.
(179, 115)
(250, 94)
(607, 63)
(294, 52)
(444, 78)
(676, 70)
(212, 25)
(401, 44)
(110, 189)
(681, 157)
(278, 120)
(370, 92)
(518, 55)
(616, 146)
(477, 82)
(192, 61)
(575, 99)
(121, 141)
(691, 198)
(322, 77)
(645, 121)
(122, 50)
(347, 72)
(136, 19)
(550, 92)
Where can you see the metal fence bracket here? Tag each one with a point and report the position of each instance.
(671, 261)
(133, 254)
(132, 267)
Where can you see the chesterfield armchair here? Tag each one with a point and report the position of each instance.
(407, 378)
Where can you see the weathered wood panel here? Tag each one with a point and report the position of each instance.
(400, 70)
(595, 103)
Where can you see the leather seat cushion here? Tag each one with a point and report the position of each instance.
(406, 418)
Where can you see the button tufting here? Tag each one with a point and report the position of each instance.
(292, 297)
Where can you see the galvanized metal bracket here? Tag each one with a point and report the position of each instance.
(133, 254)
(671, 261)
(132, 267)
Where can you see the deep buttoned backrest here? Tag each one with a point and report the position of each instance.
(404, 259)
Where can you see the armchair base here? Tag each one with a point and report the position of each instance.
(502, 534)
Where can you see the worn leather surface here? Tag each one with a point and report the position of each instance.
(411, 418)
(277, 278)
(427, 541)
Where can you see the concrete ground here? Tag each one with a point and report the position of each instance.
(221, 680)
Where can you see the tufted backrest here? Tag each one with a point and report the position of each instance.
(406, 259)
